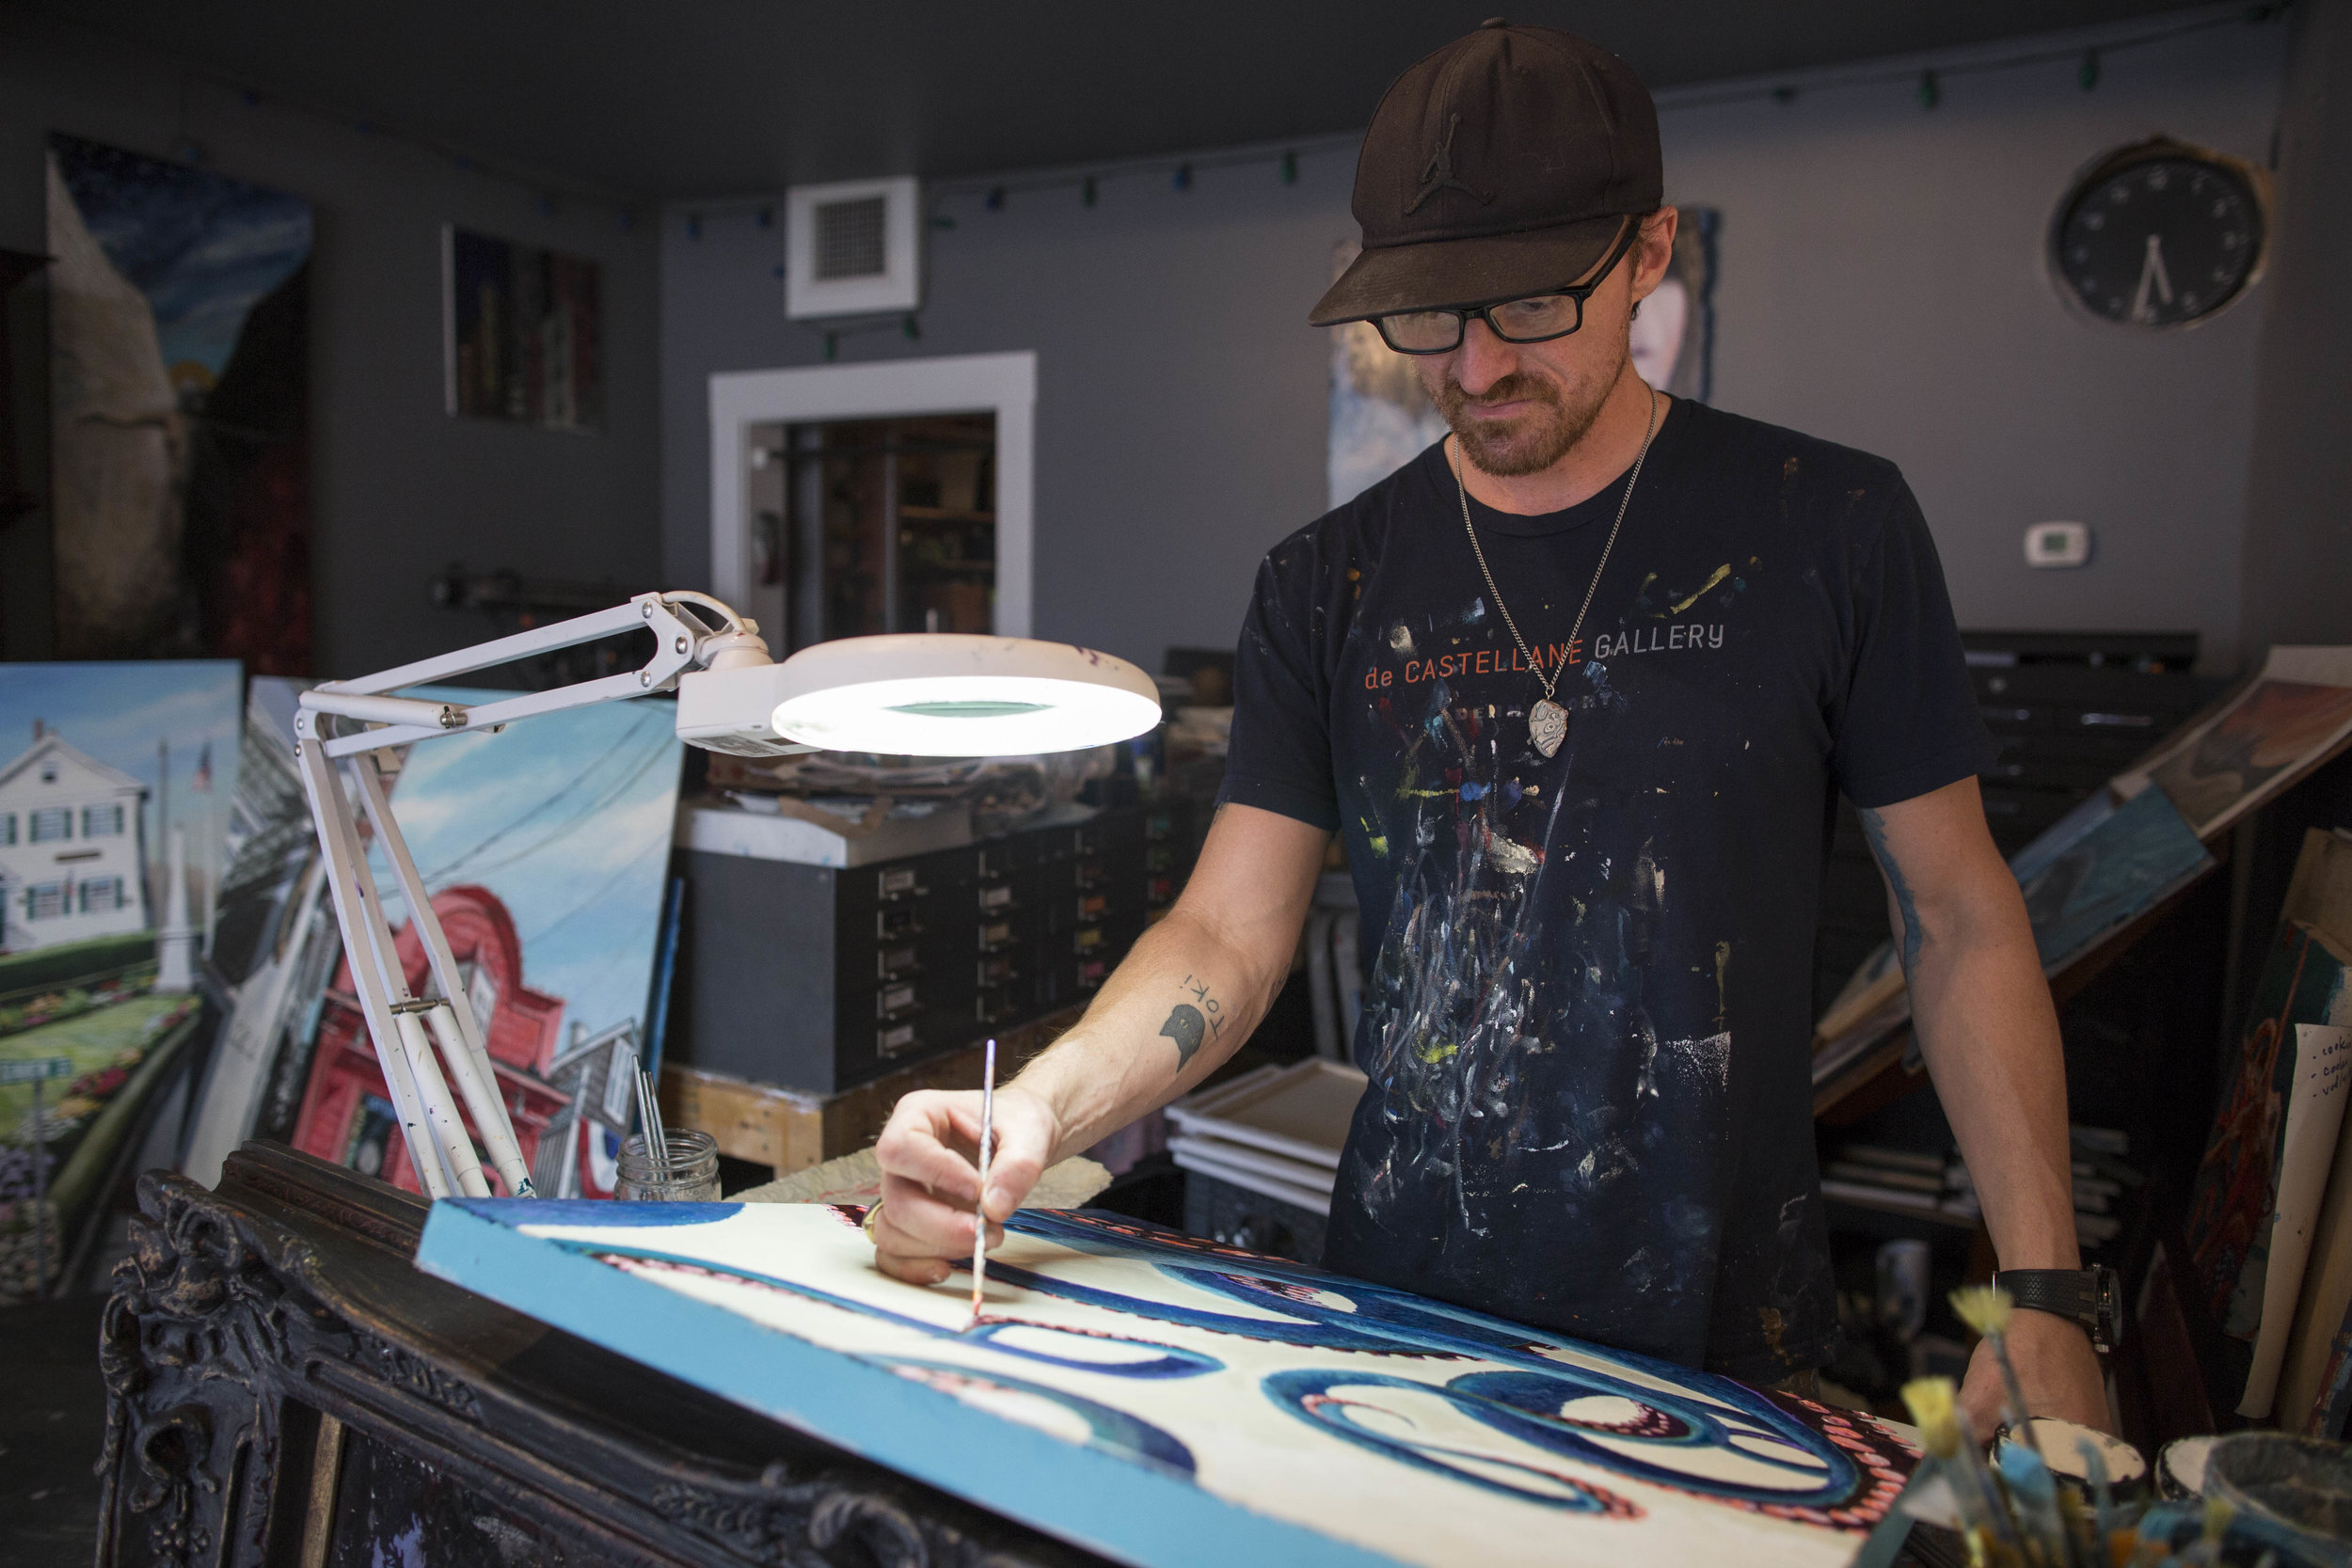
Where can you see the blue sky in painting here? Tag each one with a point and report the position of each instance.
(567, 819)
(115, 713)
(203, 248)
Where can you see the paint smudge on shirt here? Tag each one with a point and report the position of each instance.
(1700, 591)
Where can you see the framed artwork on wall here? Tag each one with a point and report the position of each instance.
(179, 307)
(522, 333)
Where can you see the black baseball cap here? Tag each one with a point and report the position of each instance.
(1505, 163)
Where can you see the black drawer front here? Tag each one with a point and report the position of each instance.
(820, 979)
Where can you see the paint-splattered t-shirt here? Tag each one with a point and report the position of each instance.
(1586, 1013)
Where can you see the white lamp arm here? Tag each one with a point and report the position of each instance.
(428, 1044)
(681, 644)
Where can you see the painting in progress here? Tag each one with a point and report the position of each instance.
(544, 847)
(179, 386)
(1167, 1400)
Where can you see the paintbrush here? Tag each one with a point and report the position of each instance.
(1944, 1432)
(979, 1209)
(650, 1125)
(1986, 1309)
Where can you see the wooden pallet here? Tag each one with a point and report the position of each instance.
(790, 1130)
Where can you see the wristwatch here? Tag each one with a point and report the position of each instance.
(2091, 1297)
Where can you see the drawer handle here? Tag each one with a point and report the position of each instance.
(2120, 720)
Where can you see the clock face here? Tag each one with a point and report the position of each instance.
(2159, 237)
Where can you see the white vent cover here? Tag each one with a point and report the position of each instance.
(851, 249)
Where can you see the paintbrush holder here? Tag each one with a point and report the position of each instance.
(689, 1175)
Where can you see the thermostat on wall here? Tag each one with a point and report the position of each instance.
(2058, 545)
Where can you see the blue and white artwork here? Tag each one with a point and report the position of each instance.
(101, 766)
(1167, 1400)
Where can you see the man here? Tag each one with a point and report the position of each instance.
(1578, 684)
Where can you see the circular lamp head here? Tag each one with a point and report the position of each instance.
(942, 695)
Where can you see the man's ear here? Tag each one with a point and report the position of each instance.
(1653, 251)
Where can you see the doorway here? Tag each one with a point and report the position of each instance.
(866, 526)
(853, 499)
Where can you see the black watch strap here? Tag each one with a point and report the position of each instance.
(2086, 1296)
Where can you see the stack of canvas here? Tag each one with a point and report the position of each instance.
(2270, 1220)
(1276, 1131)
(2139, 840)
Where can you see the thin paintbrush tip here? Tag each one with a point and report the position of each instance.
(979, 1208)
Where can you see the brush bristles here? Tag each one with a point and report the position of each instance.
(1932, 1405)
(1984, 1308)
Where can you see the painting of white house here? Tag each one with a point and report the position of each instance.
(103, 768)
(115, 780)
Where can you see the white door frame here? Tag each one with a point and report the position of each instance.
(1002, 384)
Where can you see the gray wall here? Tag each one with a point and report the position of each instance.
(1881, 286)
(1180, 396)
(399, 488)
(2296, 585)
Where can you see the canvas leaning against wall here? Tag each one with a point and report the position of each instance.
(114, 787)
(523, 332)
(179, 385)
(545, 849)
(1381, 418)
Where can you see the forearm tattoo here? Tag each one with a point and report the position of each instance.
(1190, 1022)
(1874, 829)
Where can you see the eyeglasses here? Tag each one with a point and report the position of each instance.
(1536, 319)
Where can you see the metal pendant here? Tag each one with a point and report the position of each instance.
(1547, 726)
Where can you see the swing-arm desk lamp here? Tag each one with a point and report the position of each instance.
(915, 695)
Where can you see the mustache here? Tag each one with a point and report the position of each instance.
(1517, 386)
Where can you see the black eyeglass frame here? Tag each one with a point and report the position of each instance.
(1462, 313)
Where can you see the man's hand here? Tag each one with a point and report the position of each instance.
(2055, 1368)
(929, 1157)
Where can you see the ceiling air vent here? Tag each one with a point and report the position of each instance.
(851, 249)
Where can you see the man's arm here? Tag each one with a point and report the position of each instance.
(1990, 1039)
(1182, 1001)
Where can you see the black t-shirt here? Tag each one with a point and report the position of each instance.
(1587, 1009)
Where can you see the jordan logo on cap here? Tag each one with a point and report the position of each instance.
(1439, 175)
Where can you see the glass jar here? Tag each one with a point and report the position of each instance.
(691, 1175)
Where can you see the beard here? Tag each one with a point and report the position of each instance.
(1537, 438)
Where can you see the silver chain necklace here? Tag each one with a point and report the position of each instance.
(1547, 721)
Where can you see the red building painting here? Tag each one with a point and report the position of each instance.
(346, 1111)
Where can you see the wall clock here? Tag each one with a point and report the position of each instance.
(2160, 233)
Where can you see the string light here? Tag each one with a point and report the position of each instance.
(2088, 61)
